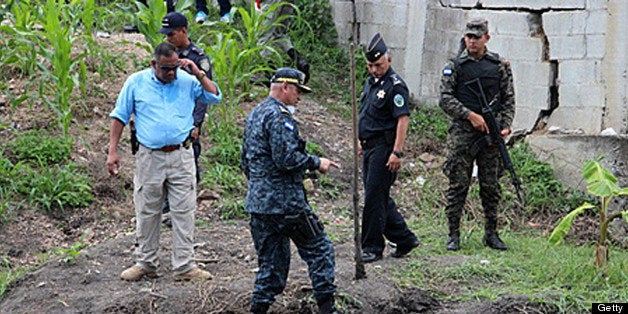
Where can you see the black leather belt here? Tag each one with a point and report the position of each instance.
(373, 142)
(168, 148)
(172, 148)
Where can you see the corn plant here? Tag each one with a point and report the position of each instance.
(59, 80)
(18, 40)
(601, 183)
(235, 52)
(149, 23)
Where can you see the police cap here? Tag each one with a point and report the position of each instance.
(172, 21)
(476, 26)
(291, 76)
(376, 48)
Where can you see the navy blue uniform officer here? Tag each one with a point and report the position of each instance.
(383, 124)
(274, 160)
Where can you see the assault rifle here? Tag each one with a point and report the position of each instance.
(494, 137)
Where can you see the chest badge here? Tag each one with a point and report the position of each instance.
(381, 94)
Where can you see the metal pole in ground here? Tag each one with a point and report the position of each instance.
(357, 236)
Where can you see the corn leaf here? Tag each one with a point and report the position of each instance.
(565, 224)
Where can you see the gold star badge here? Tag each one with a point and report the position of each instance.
(381, 94)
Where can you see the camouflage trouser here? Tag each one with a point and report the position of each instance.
(459, 166)
(273, 251)
(276, 26)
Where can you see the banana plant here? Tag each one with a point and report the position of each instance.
(600, 183)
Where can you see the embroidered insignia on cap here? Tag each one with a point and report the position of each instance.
(381, 94)
(288, 125)
(447, 71)
(399, 101)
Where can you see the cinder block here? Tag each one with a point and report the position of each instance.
(524, 118)
(576, 96)
(597, 22)
(507, 23)
(567, 47)
(589, 119)
(595, 46)
(565, 23)
(535, 4)
(575, 72)
(517, 48)
(532, 96)
(530, 73)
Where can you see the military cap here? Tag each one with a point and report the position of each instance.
(292, 76)
(172, 21)
(476, 26)
(376, 48)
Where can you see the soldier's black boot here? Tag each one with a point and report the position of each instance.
(326, 305)
(259, 308)
(453, 242)
(491, 238)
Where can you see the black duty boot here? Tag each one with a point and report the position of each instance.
(491, 238)
(259, 308)
(326, 305)
(302, 64)
(453, 242)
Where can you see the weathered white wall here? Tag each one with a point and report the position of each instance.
(578, 44)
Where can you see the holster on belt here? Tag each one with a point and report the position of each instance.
(302, 227)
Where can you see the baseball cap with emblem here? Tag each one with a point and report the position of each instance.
(292, 76)
(476, 26)
(172, 21)
(376, 48)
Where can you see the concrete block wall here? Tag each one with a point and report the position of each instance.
(577, 44)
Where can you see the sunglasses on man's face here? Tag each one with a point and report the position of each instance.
(169, 68)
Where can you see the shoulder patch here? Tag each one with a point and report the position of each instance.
(399, 101)
(204, 65)
(447, 71)
(288, 125)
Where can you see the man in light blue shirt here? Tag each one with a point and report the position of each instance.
(162, 99)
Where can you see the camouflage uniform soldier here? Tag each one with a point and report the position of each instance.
(467, 125)
(274, 161)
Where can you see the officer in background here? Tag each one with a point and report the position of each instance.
(174, 26)
(274, 160)
(383, 124)
(278, 32)
(461, 104)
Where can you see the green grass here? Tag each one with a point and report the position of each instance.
(564, 275)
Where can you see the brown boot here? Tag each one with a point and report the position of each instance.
(194, 274)
(136, 272)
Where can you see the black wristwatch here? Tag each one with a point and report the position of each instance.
(398, 154)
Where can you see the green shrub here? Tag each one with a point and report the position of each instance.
(41, 148)
(429, 122)
(55, 188)
(544, 193)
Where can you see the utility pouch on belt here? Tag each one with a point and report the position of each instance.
(302, 227)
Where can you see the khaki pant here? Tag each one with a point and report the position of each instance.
(158, 174)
